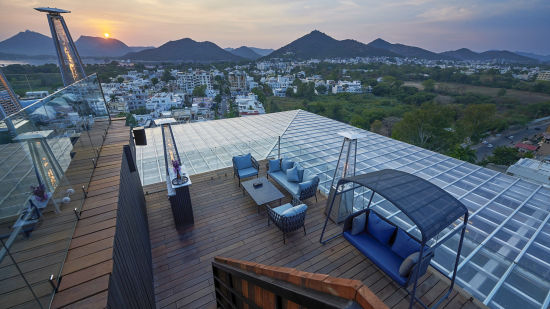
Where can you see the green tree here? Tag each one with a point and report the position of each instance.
(218, 99)
(167, 76)
(463, 153)
(154, 80)
(321, 89)
(476, 120)
(503, 155)
(426, 127)
(120, 79)
(429, 85)
(199, 91)
(259, 92)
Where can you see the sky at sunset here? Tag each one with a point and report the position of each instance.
(437, 25)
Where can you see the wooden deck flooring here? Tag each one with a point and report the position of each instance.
(228, 224)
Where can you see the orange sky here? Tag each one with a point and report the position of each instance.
(434, 24)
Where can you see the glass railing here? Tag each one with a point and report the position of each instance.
(48, 152)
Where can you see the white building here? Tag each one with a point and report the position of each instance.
(249, 105)
(188, 81)
(279, 85)
(531, 169)
(238, 81)
(164, 101)
(346, 86)
(545, 75)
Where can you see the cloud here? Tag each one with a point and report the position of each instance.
(446, 14)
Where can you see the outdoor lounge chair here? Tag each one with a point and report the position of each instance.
(288, 218)
(245, 166)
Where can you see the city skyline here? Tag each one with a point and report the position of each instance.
(434, 25)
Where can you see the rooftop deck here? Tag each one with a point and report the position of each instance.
(227, 224)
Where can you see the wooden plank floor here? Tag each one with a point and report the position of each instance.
(228, 224)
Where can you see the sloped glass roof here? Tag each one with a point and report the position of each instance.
(505, 261)
(210, 145)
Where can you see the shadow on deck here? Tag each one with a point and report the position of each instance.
(227, 224)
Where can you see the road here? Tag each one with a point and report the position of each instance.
(533, 128)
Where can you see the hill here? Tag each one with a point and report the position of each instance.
(541, 58)
(185, 50)
(244, 52)
(89, 46)
(319, 45)
(405, 50)
(28, 43)
(491, 55)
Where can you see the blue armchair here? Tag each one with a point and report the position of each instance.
(245, 166)
(288, 218)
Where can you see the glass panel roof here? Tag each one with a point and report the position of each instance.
(506, 254)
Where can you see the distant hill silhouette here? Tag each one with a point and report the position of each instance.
(245, 52)
(28, 43)
(97, 47)
(535, 56)
(261, 51)
(319, 45)
(186, 50)
(406, 50)
(491, 55)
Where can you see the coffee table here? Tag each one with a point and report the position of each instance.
(264, 194)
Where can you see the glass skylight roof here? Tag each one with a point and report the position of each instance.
(505, 259)
(210, 145)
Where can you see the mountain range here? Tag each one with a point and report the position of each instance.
(30, 43)
(316, 44)
(185, 50)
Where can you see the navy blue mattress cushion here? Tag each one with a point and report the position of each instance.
(404, 245)
(358, 224)
(380, 229)
(379, 254)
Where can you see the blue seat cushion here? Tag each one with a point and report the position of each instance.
(286, 164)
(379, 229)
(295, 210)
(244, 161)
(247, 172)
(379, 254)
(292, 174)
(274, 165)
(280, 209)
(404, 245)
(304, 185)
(358, 224)
(300, 172)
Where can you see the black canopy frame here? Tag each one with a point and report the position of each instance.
(429, 207)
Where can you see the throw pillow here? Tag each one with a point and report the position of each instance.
(404, 245)
(244, 161)
(304, 185)
(408, 264)
(292, 174)
(274, 165)
(294, 210)
(379, 229)
(358, 224)
(286, 164)
(300, 172)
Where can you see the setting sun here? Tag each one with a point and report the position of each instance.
(106, 35)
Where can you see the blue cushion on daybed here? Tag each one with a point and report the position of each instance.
(292, 174)
(404, 245)
(379, 254)
(286, 164)
(379, 228)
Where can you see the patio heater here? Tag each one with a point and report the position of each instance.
(345, 167)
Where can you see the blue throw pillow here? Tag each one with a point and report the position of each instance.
(286, 164)
(304, 185)
(300, 172)
(274, 165)
(404, 245)
(358, 224)
(379, 229)
(244, 161)
(294, 210)
(292, 174)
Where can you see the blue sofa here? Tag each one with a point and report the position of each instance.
(302, 188)
(386, 249)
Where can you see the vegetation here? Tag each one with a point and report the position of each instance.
(506, 156)
(199, 91)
